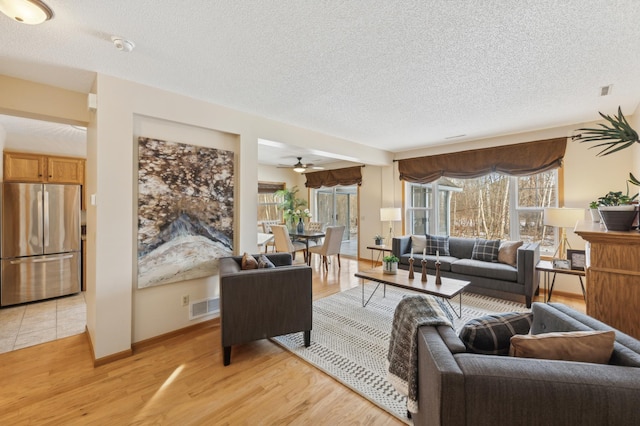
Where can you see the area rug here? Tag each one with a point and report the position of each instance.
(350, 342)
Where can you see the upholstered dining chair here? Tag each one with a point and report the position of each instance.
(266, 228)
(315, 227)
(284, 244)
(331, 245)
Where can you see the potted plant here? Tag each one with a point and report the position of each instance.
(390, 264)
(614, 136)
(617, 210)
(291, 206)
(595, 214)
(378, 239)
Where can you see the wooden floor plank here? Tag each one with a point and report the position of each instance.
(181, 380)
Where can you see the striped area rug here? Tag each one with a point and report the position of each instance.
(350, 342)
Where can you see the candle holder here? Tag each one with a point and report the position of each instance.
(424, 270)
(411, 268)
(438, 279)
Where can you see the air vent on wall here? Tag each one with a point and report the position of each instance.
(204, 307)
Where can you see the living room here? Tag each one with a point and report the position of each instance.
(120, 315)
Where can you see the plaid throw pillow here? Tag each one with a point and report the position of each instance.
(486, 250)
(434, 243)
(491, 334)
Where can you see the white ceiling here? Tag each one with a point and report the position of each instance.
(394, 75)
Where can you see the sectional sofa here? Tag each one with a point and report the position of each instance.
(461, 258)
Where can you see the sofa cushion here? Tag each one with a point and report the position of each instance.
(436, 243)
(480, 268)
(486, 250)
(491, 334)
(508, 252)
(418, 243)
(249, 262)
(264, 262)
(581, 346)
(462, 248)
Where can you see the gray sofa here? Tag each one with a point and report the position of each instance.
(460, 388)
(500, 280)
(260, 303)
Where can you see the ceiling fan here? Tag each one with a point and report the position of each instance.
(301, 167)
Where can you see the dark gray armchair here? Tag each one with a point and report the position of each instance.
(260, 303)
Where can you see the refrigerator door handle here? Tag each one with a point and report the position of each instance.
(46, 218)
(41, 260)
(40, 218)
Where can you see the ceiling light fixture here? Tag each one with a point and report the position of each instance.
(30, 12)
(121, 44)
(299, 169)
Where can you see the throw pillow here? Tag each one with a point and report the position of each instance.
(508, 252)
(486, 250)
(264, 262)
(418, 243)
(491, 334)
(441, 244)
(581, 346)
(249, 262)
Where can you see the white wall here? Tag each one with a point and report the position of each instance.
(118, 314)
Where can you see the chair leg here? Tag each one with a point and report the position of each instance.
(227, 355)
(324, 263)
(339, 260)
(307, 338)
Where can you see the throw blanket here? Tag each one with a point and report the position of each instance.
(411, 313)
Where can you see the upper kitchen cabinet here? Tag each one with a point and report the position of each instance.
(25, 167)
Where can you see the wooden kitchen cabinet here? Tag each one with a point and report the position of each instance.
(26, 167)
(22, 167)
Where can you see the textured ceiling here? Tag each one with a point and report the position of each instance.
(394, 75)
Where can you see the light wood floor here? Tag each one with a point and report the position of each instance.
(182, 381)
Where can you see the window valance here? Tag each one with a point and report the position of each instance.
(346, 176)
(517, 160)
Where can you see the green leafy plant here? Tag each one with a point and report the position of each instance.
(390, 258)
(593, 205)
(614, 136)
(616, 199)
(291, 206)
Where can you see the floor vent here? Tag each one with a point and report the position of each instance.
(204, 307)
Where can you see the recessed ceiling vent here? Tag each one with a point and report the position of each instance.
(606, 90)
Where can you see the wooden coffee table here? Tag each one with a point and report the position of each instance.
(449, 288)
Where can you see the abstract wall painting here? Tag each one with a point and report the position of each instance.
(185, 210)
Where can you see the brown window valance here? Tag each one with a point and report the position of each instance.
(517, 160)
(346, 176)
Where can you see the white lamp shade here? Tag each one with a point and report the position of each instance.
(30, 12)
(562, 217)
(390, 213)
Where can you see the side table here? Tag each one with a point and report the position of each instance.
(546, 267)
(381, 249)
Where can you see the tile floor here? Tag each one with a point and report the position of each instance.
(35, 323)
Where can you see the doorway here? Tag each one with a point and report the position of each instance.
(337, 206)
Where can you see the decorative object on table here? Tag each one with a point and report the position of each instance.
(562, 218)
(577, 258)
(185, 211)
(616, 210)
(424, 270)
(390, 264)
(411, 268)
(595, 213)
(390, 214)
(561, 264)
(438, 278)
(378, 239)
(300, 227)
(292, 207)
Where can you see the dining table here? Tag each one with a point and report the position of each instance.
(306, 236)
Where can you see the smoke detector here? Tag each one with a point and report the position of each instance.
(122, 44)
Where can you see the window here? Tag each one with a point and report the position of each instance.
(494, 206)
(267, 205)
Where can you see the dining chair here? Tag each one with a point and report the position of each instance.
(331, 245)
(315, 227)
(266, 228)
(283, 243)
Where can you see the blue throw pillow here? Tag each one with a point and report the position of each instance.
(486, 250)
(435, 242)
(264, 262)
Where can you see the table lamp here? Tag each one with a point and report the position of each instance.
(390, 214)
(562, 217)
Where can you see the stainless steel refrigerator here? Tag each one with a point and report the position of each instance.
(40, 250)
